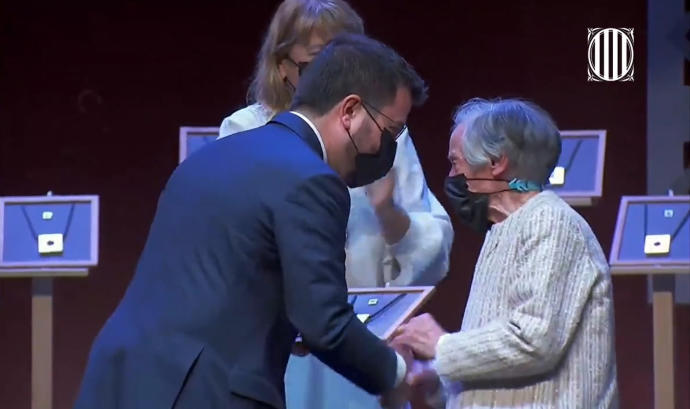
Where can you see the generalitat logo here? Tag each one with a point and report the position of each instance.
(610, 54)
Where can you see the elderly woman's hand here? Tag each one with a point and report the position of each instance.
(421, 334)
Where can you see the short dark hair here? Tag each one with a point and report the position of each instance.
(356, 64)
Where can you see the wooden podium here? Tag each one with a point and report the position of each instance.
(44, 237)
(579, 175)
(195, 137)
(652, 237)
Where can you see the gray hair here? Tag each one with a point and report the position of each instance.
(518, 129)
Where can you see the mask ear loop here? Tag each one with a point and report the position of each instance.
(489, 180)
(517, 185)
(352, 140)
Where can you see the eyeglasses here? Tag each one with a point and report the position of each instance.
(300, 65)
(396, 131)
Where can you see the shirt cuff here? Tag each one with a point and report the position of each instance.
(421, 253)
(401, 370)
(409, 241)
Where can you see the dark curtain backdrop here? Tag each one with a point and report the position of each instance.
(92, 96)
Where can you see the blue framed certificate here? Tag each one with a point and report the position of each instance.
(384, 309)
(195, 137)
(579, 175)
(48, 231)
(652, 236)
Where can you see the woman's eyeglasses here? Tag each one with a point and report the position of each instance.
(300, 65)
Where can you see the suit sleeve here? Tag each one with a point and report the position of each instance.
(310, 227)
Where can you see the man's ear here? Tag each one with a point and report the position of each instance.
(347, 109)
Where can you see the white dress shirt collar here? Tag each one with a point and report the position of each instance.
(316, 131)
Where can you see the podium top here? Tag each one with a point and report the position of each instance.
(652, 236)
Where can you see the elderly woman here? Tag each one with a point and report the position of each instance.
(538, 328)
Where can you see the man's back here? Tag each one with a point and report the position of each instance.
(247, 249)
(213, 232)
(217, 289)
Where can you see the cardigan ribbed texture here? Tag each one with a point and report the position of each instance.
(538, 328)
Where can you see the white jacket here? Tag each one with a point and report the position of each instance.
(421, 257)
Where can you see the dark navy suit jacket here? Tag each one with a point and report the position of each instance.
(245, 250)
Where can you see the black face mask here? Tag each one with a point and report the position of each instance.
(472, 207)
(370, 167)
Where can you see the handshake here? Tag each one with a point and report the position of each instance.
(416, 342)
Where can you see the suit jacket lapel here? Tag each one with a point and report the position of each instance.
(301, 128)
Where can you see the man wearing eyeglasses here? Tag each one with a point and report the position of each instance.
(247, 249)
(398, 234)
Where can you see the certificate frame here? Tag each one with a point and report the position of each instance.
(588, 196)
(76, 266)
(422, 293)
(190, 133)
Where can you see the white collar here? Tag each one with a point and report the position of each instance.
(316, 131)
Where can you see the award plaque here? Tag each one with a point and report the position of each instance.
(652, 237)
(579, 174)
(48, 231)
(384, 309)
(44, 237)
(310, 384)
(195, 137)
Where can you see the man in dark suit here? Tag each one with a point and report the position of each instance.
(247, 249)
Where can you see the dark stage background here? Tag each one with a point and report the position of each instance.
(92, 96)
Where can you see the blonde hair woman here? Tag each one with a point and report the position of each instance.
(398, 233)
(298, 31)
